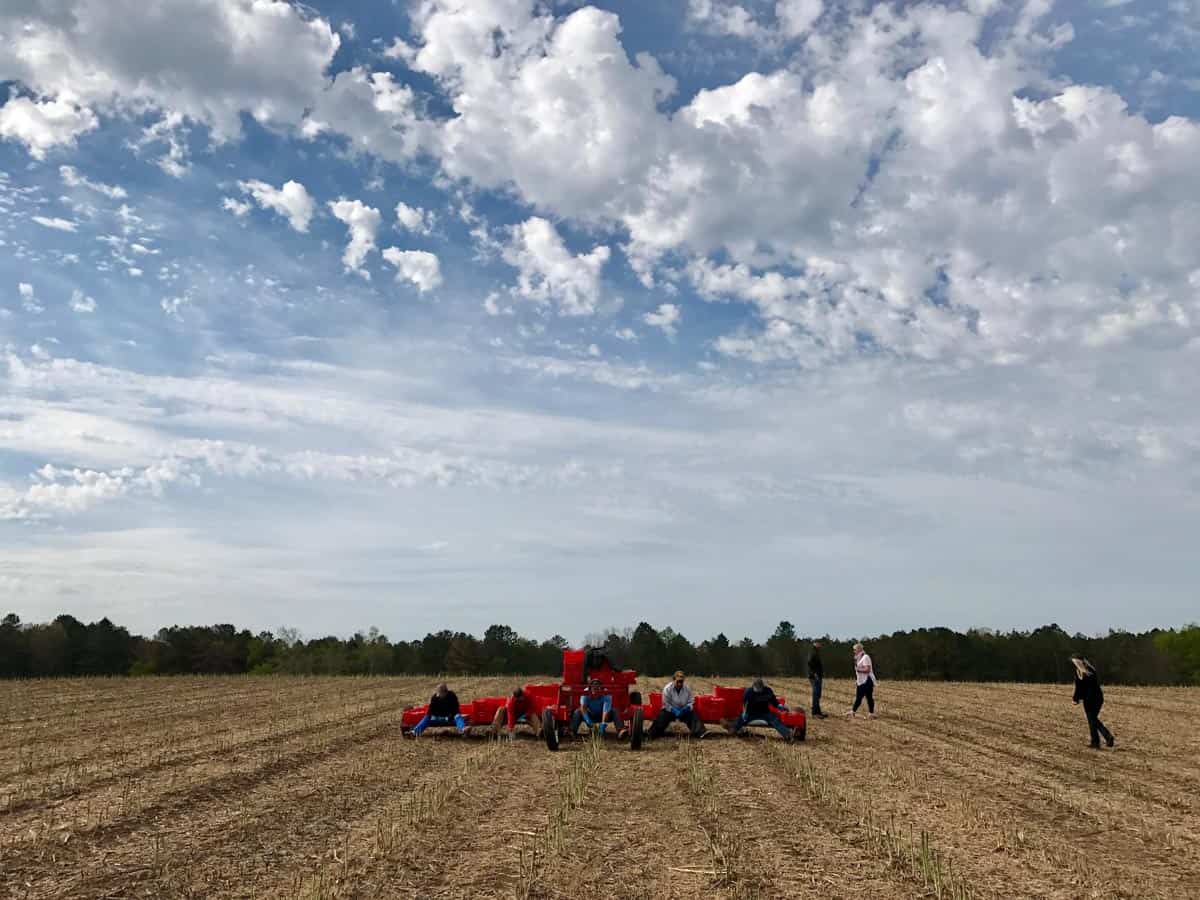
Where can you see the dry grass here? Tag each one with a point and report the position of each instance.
(244, 788)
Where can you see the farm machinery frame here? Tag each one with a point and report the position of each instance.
(553, 704)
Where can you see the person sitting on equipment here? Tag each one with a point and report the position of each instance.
(759, 704)
(596, 709)
(677, 699)
(517, 709)
(443, 710)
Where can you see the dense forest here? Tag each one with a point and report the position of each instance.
(67, 647)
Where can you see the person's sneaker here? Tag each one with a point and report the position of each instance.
(1111, 740)
(852, 715)
(870, 715)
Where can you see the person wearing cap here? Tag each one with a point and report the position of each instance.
(759, 703)
(677, 700)
(816, 675)
(517, 708)
(864, 681)
(596, 709)
(443, 710)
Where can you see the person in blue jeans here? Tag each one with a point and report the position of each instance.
(443, 710)
(759, 704)
(596, 709)
(677, 703)
(816, 675)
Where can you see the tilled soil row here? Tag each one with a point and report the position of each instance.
(285, 826)
(195, 723)
(636, 828)
(156, 760)
(1045, 746)
(1047, 718)
(174, 707)
(458, 836)
(1074, 781)
(135, 848)
(805, 849)
(981, 806)
(41, 840)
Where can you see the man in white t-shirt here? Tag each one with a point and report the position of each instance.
(864, 680)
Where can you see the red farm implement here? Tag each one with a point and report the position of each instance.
(553, 704)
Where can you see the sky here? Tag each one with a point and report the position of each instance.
(443, 313)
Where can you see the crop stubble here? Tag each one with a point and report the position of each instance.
(301, 787)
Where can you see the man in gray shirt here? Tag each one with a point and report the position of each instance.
(677, 700)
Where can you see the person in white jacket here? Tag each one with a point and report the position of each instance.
(677, 702)
(864, 680)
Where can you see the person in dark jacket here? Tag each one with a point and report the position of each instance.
(816, 675)
(443, 710)
(1089, 693)
(759, 704)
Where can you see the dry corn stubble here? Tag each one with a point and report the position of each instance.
(245, 787)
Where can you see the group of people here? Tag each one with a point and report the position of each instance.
(864, 681)
(596, 710)
(759, 704)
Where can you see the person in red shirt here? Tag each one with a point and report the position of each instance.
(517, 709)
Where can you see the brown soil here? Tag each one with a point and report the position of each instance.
(254, 788)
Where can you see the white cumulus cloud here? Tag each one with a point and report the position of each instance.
(42, 125)
(549, 273)
(239, 208)
(414, 218)
(362, 221)
(665, 318)
(201, 61)
(81, 302)
(417, 266)
(292, 201)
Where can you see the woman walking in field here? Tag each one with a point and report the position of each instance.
(1087, 690)
(864, 680)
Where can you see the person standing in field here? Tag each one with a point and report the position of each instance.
(1088, 691)
(677, 700)
(864, 681)
(816, 675)
(443, 710)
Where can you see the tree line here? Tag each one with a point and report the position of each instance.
(68, 647)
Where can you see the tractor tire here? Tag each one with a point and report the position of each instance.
(800, 733)
(550, 730)
(635, 729)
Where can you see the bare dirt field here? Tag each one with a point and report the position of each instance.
(302, 787)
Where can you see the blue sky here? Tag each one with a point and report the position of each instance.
(438, 313)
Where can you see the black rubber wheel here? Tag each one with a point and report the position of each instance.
(550, 730)
(635, 729)
(799, 734)
(635, 698)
